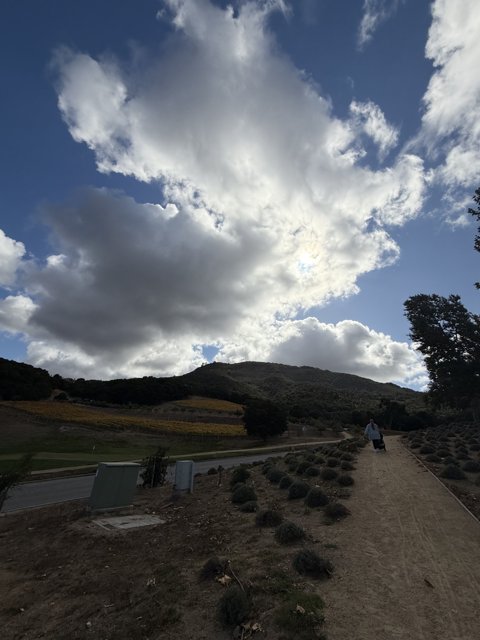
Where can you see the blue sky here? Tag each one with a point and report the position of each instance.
(270, 180)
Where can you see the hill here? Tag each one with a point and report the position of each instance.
(272, 379)
(306, 393)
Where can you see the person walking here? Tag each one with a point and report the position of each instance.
(372, 432)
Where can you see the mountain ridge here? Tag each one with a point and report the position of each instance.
(304, 391)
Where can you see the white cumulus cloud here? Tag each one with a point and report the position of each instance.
(451, 119)
(15, 314)
(11, 254)
(264, 207)
(160, 358)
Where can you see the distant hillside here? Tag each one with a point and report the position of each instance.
(273, 378)
(305, 392)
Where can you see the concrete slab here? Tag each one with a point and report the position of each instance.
(128, 522)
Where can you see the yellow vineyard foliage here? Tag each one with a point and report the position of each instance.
(211, 404)
(103, 419)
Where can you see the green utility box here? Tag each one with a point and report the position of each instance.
(114, 486)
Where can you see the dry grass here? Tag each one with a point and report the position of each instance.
(210, 404)
(73, 413)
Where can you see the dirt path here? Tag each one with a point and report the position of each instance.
(410, 557)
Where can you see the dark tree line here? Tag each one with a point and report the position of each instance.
(20, 381)
(23, 382)
(390, 414)
(147, 390)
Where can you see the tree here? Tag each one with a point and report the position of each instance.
(448, 336)
(264, 418)
(476, 214)
(155, 468)
(393, 413)
(18, 472)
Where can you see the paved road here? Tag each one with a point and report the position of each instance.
(38, 494)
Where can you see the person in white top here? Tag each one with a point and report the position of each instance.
(372, 432)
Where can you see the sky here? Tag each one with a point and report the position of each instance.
(193, 180)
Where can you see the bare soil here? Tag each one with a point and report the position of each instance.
(17, 427)
(406, 562)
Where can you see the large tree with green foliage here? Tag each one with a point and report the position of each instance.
(448, 335)
(264, 418)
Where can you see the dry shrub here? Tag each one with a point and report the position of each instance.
(212, 568)
(268, 518)
(328, 474)
(336, 511)
(302, 467)
(452, 472)
(316, 498)
(332, 462)
(289, 532)
(472, 466)
(233, 607)
(244, 494)
(308, 563)
(312, 471)
(298, 490)
(275, 475)
(300, 617)
(285, 482)
(240, 474)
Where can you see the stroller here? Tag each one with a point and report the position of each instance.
(381, 445)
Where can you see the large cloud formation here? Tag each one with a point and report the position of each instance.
(266, 207)
(451, 120)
